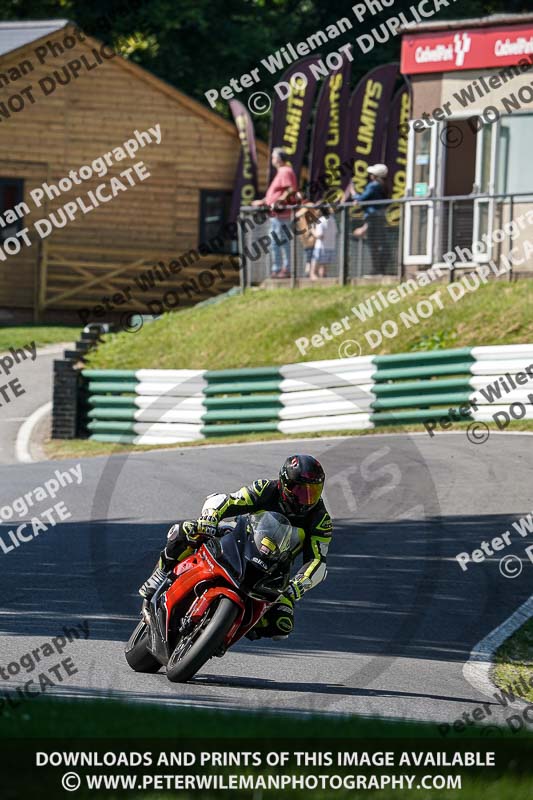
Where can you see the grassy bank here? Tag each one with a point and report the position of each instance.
(103, 718)
(261, 327)
(514, 662)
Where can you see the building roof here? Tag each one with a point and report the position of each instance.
(15, 35)
(18, 34)
(475, 22)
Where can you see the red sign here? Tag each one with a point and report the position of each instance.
(444, 51)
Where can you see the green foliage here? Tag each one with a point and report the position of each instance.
(440, 340)
(514, 663)
(197, 45)
(260, 328)
(19, 335)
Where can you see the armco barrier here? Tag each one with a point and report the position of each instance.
(171, 406)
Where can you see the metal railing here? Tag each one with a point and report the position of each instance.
(395, 237)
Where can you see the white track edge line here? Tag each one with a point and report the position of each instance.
(477, 670)
(24, 434)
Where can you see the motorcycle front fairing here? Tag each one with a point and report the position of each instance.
(256, 576)
(231, 560)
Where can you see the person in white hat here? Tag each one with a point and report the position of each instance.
(373, 215)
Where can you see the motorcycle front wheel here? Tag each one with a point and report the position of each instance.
(136, 651)
(197, 647)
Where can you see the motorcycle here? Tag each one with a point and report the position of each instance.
(214, 597)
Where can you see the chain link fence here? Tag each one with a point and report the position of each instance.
(383, 239)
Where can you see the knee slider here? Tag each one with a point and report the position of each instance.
(285, 624)
(283, 616)
(177, 540)
(174, 533)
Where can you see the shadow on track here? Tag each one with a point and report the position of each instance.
(394, 588)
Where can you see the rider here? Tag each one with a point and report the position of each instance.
(297, 495)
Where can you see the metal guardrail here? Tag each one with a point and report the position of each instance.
(376, 245)
(151, 406)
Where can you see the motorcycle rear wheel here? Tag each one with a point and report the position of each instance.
(184, 663)
(136, 651)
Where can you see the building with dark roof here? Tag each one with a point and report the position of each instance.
(75, 233)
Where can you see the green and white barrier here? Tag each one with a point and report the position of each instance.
(172, 406)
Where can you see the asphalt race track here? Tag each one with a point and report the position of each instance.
(38, 374)
(387, 633)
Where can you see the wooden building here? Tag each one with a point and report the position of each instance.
(66, 100)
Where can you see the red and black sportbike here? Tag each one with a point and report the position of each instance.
(213, 597)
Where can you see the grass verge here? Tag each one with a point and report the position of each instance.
(513, 662)
(85, 448)
(19, 335)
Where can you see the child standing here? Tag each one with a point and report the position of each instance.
(325, 232)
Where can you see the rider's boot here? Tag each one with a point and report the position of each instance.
(179, 538)
(158, 577)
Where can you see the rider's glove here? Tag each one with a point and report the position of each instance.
(207, 523)
(189, 529)
(294, 590)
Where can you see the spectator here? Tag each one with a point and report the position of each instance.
(283, 185)
(373, 215)
(307, 217)
(325, 232)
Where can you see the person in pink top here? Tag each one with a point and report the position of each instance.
(283, 185)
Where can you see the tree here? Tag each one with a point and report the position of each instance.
(198, 45)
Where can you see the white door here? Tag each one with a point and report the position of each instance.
(485, 184)
(419, 233)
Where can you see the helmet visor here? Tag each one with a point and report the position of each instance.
(306, 494)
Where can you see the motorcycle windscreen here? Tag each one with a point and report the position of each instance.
(271, 534)
(265, 576)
